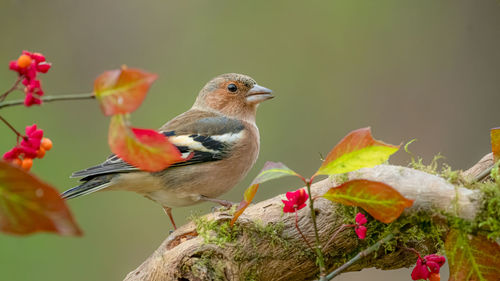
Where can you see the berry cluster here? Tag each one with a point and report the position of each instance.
(28, 65)
(428, 267)
(32, 145)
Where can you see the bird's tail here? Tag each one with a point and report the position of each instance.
(87, 187)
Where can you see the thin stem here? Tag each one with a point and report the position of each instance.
(50, 99)
(300, 231)
(12, 89)
(359, 256)
(19, 135)
(414, 251)
(342, 227)
(319, 253)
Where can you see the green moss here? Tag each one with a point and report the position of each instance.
(251, 273)
(435, 168)
(431, 168)
(410, 230)
(271, 232)
(206, 267)
(216, 232)
(488, 218)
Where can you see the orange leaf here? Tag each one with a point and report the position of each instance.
(495, 143)
(270, 171)
(247, 199)
(28, 205)
(146, 149)
(380, 200)
(122, 91)
(355, 151)
(472, 257)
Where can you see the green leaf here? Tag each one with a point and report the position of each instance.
(270, 171)
(28, 205)
(472, 257)
(495, 143)
(355, 151)
(122, 91)
(146, 149)
(380, 200)
(273, 170)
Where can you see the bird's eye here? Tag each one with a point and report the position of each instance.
(232, 88)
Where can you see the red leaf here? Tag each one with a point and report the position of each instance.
(28, 205)
(123, 90)
(495, 143)
(143, 148)
(355, 151)
(472, 257)
(380, 200)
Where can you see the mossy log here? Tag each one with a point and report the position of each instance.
(266, 245)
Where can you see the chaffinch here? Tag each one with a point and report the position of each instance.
(218, 136)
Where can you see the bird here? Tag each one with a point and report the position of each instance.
(218, 138)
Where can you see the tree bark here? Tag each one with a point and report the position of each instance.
(279, 253)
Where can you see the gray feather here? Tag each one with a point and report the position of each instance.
(87, 187)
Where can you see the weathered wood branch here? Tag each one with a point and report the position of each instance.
(268, 246)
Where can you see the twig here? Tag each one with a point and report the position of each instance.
(51, 98)
(19, 135)
(359, 256)
(14, 87)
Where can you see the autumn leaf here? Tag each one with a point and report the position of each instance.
(495, 143)
(143, 148)
(380, 200)
(472, 257)
(247, 199)
(270, 171)
(28, 205)
(355, 151)
(122, 91)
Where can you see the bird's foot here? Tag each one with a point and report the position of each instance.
(224, 204)
(168, 211)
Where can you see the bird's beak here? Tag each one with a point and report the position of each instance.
(258, 94)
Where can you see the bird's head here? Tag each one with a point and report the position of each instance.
(233, 95)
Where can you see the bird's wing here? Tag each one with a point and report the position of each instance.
(202, 140)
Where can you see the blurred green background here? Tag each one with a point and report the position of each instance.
(410, 69)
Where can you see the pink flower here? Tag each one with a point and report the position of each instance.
(28, 65)
(360, 229)
(28, 146)
(296, 201)
(427, 266)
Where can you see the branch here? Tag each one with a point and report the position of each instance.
(51, 99)
(267, 246)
